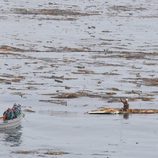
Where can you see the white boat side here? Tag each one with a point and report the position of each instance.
(9, 124)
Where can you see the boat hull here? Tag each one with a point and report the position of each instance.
(9, 124)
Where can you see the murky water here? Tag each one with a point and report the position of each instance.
(62, 59)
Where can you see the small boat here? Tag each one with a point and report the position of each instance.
(9, 124)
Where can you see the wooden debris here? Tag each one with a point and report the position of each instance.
(105, 111)
(121, 111)
(124, 110)
(29, 110)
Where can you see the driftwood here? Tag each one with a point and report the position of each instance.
(121, 111)
(124, 110)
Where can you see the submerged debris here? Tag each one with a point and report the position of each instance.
(61, 102)
(53, 12)
(41, 152)
(55, 153)
(75, 95)
(151, 81)
(25, 152)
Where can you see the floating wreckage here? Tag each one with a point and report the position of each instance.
(124, 110)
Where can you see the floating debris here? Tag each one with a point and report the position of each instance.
(59, 81)
(29, 110)
(121, 111)
(124, 110)
(7, 48)
(61, 102)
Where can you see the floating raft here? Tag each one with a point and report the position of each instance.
(9, 124)
(121, 111)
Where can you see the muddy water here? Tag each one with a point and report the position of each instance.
(62, 59)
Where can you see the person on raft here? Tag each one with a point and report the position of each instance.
(125, 104)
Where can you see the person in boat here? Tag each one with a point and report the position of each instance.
(5, 115)
(8, 114)
(17, 110)
(12, 113)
